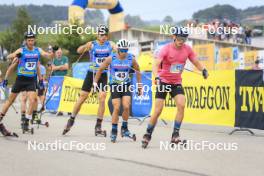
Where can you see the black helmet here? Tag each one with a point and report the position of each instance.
(180, 32)
(29, 34)
(103, 30)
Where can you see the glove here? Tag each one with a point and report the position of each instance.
(205, 74)
(5, 83)
(157, 81)
(18, 55)
(41, 85)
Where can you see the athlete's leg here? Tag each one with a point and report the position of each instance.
(32, 95)
(80, 101)
(23, 102)
(101, 108)
(126, 107)
(8, 103)
(116, 107)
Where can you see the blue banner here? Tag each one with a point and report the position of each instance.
(79, 70)
(141, 105)
(54, 93)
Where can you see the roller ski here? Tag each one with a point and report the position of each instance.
(126, 133)
(99, 131)
(6, 133)
(146, 140)
(25, 126)
(68, 126)
(113, 136)
(36, 119)
(175, 139)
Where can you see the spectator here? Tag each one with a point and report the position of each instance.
(248, 35)
(60, 64)
(1, 80)
(60, 67)
(256, 65)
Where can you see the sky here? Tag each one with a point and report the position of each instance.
(155, 9)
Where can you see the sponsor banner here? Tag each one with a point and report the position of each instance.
(70, 94)
(210, 101)
(250, 99)
(53, 94)
(206, 54)
(225, 61)
(141, 105)
(79, 70)
(261, 59)
(249, 59)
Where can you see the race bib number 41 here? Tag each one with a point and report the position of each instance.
(176, 68)
(30, 65)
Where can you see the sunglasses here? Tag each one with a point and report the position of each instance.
(183, 39)
(123, 50)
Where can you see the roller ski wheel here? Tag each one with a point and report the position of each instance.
(126, 133)
(113, 137)
(99, 131)
(46, 124)
(68, 126)
(146, 140)
(6, 133)
(25, 126)
(175, 140)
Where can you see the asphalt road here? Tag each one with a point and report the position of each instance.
(126, 157)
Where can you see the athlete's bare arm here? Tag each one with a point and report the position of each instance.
(11, 68)
(84, 48)
(46, 54)
(136, 67)
(38, 71)
(156, 66)
(113, 45)
(198, 64)
(13, 55)
(103, 66)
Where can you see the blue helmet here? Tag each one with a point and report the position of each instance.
(180, 32)
(29, 34)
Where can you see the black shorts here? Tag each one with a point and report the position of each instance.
(173, 89)
(24, 83)
(118, 91)
(88, 82)
(41, 92)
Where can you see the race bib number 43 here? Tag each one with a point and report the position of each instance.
(30, 65)
(176, 68)
(121, 76)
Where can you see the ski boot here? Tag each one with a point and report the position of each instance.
(146, 140)
(113, 136)
(126, 133)
(37, 120)
(25, 126)
(5, 132)
(175, 139)
(99, 131)
(68, 126)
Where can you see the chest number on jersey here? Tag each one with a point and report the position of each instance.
(100, 60)
(30, 65)
(176, 68)
(120, 76)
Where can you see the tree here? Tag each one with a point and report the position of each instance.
(14, 36)
(134, 21)
(72, 41)
(168, 20)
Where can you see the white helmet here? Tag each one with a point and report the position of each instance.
(123, 44)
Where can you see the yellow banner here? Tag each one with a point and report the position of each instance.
(225, 59)
(206, 54)
(249, 58)
(210, 101)
(70, 93)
